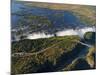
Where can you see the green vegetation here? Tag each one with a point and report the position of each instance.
(33, 21)
(90, 57)
(54, 48)
(39, 44)
(90, 37)
(89, 21)
(51, 54)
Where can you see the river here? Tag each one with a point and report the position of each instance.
(64, 21)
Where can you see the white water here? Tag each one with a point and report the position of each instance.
(67, 32)
(38, 35)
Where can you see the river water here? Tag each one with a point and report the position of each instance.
(60, 19)
(67, 23)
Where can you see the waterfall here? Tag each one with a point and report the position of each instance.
(68, 32)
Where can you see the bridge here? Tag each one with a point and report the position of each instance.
(85, 44)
